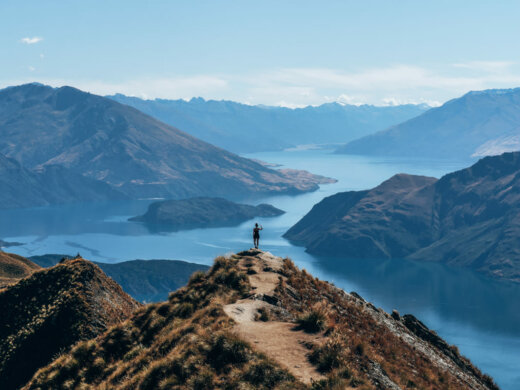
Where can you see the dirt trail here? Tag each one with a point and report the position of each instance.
(277, 339)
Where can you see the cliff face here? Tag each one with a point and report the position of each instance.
(469, 218)
(255, 321)
(52, 309)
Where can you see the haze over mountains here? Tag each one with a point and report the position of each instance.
(243, 128)
(468, 218)
(477, 124)
(135, 154)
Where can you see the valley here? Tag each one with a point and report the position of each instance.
(475, 313)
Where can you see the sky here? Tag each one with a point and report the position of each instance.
(287, 53)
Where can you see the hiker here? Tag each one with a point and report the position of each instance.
(256, 235)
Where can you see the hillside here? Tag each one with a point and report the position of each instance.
(244, 128)
(467, 218)
(134, 153)
(144, 280)
(256, 321)
(203, 212)
(475, 125)
(52, 184)
(50, 311)
(14, 267)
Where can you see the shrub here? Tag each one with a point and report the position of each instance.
(328, 356)
(197, 277)
(313, 321)
(227, 349)
(264, 373)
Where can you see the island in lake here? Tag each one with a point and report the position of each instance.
(200, 212)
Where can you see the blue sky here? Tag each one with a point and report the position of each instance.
(290, 53)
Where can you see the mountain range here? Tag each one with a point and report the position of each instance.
(253, 321)
(478, 124)
(243, 128)
(467, 218)
(135, 154)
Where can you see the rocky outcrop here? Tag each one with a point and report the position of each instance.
(467, 218)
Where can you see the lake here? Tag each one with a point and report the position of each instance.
(475, 313)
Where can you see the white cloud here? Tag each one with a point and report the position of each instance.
(31, 68)
(486, 66)
(297, 87)
(31, 40)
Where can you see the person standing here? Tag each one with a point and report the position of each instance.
(256, 235)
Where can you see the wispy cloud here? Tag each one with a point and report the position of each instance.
(31, 40)
(297, 87)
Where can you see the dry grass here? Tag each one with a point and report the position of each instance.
(355, 339)
(184, 343)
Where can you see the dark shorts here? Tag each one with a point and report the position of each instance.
(255, 236)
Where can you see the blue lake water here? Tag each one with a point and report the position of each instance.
(479, 315)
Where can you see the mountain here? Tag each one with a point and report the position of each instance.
(203, 212)
(244, 128)
(475, 125)
(143, 280)
(14, 267)
(46, 313)
(134, 153)
(48, 185)
(255, 321)
(468, 218)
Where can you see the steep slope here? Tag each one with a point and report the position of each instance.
(244, 128)
(138, 155)
(203, 212)
(151, 280)
(468, 218)
(50, 311)
(144, 280)
(49, 185)
(14, 267)
(256, 321)
(477, 124)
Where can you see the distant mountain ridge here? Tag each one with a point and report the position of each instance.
(468, 218)
(144, 280)
(245, 128)
(478, 124)
(136, 154)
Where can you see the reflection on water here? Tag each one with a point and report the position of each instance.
(479, 315)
